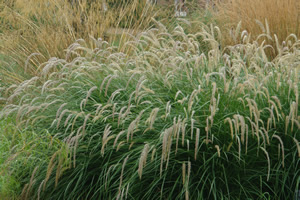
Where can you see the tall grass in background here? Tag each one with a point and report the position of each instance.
(34, 31)
(272, 17)
(161, 118)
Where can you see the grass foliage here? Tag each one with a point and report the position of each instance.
(22, 152)
(8, 185)
(168, 115)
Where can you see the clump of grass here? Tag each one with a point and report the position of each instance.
(160, 118)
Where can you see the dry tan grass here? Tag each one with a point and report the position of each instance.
(269, 16)
(36, 30)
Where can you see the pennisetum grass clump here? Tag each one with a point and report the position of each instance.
(161, 118)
